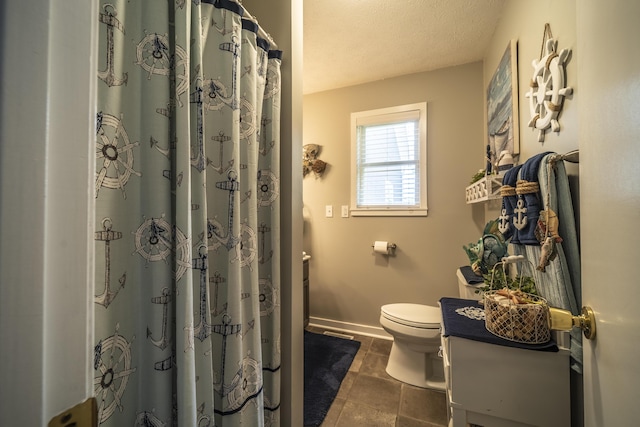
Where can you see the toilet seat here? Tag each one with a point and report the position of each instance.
(414, 315)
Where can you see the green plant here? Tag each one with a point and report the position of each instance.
(478, 176)
(502, 280)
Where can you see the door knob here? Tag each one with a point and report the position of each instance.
(564, 320)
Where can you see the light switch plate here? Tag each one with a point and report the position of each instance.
(328, 211)
(345, 211)
(84, 414)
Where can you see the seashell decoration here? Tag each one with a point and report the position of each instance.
(310, 161)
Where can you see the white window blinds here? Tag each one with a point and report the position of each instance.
(390, 159)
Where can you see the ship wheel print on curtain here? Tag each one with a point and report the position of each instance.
(114, 154)
(157, 240)
(112, 362)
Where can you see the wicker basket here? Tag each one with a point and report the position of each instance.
(516, 315)
(524, 323)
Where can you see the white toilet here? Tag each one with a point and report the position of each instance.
(414, 357)
(416, 341)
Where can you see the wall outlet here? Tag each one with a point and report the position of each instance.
(345, 211)
(328, 211)
(84, 414)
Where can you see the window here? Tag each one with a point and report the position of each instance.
(389, 161)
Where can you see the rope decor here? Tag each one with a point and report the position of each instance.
(549, 59)
(554, 107)
(507, 190)
(526, 187)
(546, 35)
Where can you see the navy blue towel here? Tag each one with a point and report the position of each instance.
(532, 200)
(470, 276)
(508, 205)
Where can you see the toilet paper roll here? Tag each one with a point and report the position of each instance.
(381, 247)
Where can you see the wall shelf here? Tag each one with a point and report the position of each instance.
(487, 188)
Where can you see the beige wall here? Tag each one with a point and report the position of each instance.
(525, 22)
(349, 282)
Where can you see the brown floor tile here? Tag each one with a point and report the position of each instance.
(381, 346)
(376, 392)
(361, 415)
(410, 422)
(423, 404)
(375, 365)
(346, 385)
(357, 361)
(365, 341)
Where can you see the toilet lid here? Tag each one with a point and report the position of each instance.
(416, 315)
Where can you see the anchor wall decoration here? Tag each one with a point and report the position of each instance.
(520, 215)
(503, 221)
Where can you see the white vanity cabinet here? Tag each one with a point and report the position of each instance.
(494, 385)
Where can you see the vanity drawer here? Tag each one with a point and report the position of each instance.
(508, 384)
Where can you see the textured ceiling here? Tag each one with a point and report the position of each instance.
(348, 42)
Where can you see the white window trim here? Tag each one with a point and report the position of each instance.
(390, 211)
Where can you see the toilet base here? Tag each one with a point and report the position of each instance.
(424, 370)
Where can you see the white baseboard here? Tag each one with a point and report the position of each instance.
(352, 328)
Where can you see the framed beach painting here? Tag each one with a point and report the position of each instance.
(502, 107)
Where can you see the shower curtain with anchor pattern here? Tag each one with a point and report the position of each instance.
(187, 250)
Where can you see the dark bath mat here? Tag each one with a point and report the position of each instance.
(326, 362)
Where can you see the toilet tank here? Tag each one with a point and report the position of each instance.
(467, 290)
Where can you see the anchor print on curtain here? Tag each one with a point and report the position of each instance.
(187, 319)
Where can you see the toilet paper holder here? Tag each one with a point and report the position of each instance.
(390, 246)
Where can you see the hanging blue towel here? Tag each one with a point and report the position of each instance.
(508, 191)
(560, 283)
(470, 276)
(528, 191)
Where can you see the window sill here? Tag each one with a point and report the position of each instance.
(388, 212)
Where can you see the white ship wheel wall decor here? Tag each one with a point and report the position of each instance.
(547, 89)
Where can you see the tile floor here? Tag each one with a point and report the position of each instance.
(369, 397)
